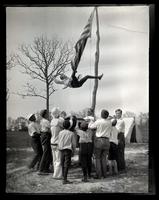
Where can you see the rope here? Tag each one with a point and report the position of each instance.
(126, 29)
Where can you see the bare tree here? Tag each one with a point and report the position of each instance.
(9, 65)
(43, 60)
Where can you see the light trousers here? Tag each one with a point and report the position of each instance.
(56, 162)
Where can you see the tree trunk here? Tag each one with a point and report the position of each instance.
(47, 97)
(96, 65)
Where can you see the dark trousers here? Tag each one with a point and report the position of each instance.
(65, 162)
(121, 154)
(37, 147)
(85, 152)
(78, 83)
(47, 153)
(101, 150)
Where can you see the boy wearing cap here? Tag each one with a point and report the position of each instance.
(67, 146)
(85, 149)
(45, 140)
(34, 132)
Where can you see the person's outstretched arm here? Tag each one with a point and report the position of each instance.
(58, 81)
(65, 87)
(92, 124)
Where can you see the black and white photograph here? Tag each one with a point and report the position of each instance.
(77, 99)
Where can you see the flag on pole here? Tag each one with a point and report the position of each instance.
(81, 43)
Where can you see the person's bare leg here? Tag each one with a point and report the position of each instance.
(84, 79)
(73, 73)
(100, 77)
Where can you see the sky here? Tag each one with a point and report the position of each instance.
(123, 59)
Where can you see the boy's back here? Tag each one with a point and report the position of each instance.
(114, 135)
(66, 140)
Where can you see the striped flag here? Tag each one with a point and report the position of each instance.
(81, 43)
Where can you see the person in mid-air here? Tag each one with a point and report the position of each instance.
(73, 81)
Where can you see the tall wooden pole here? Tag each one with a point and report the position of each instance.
(96, 65)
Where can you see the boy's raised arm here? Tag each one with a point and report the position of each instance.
(92, 125)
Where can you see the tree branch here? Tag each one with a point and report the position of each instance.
(43, 60)
(31, 91)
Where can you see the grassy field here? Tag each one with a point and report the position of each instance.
(19, 180)
(17, 139)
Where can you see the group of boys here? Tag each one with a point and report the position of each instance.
(96, 137)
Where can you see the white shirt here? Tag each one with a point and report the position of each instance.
(56, 127)
(120, 125)
(33, 127)
(66, 140)
(114, 135)
(103, 126)
(85, 136)
(67, 82)
(45, 125)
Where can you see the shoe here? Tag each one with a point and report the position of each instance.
(116, 173)
(89, 176)
(43, 173)
(57, 178)
(100, 77)
(122, 171)
(66, 182)
(48, 171)
(84, 180)
(96, 177)
(31, 170)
